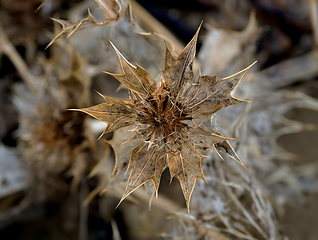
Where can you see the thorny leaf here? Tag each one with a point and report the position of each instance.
(178, 71)
(145, 164)
(114, 112)
(111, 13)
(204, 138)
(210, 95)
(134, 78)
(187, 167)
(160, 116)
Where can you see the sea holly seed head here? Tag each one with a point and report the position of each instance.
(159, 115)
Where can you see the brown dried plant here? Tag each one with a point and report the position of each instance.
(112, 9)
(162, 115)
(54, 142)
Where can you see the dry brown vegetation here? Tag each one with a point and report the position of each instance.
(171, 110)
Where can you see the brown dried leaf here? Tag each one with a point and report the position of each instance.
(203, 138)
(114, 112)
(145, 164)
(178, 71)
(187, 167)
(210, 95)
(134, 78)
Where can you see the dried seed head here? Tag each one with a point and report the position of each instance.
(52, 140)
(158, 114)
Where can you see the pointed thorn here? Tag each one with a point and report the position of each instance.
(193, 40)
(124, 197)
(102, 133)
(49, 45)
(117, 51)
(57, 20)
(121, 57)
(244, 70)
(218, 153)
(89, 12)
(131, 139)
(239, 161)
(171, 180)
(188, 207)
(52, 41)
(120, 202)
(197, 33)
(100, 94)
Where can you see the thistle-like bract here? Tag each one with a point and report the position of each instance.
(161, 115)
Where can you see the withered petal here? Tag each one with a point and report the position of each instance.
(145, 164)
(204, 138)
(178, 73)
(134, 78)
(186, 165)
(210, 95)
(114, 112)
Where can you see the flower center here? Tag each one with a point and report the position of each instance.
(160, 119)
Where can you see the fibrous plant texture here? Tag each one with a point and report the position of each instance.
(161, 114)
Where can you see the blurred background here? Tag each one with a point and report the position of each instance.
(56, 179)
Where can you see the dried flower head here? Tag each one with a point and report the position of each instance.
(161, 115)
(53, 141)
